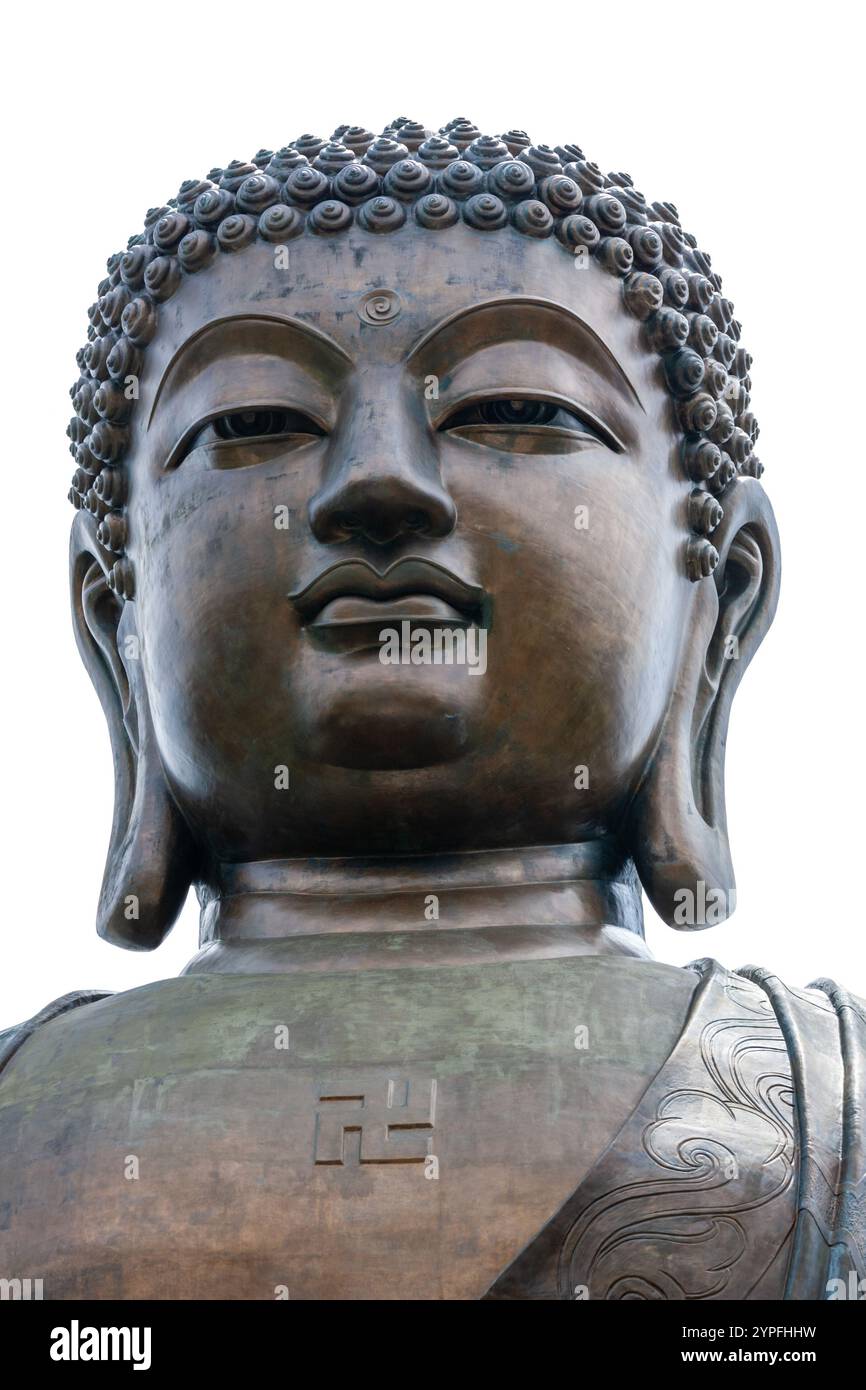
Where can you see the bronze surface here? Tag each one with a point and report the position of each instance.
(396, 463)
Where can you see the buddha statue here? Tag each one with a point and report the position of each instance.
(420, 545)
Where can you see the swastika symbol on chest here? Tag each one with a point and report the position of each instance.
(393, 1117)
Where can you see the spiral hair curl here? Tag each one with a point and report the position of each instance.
(434, 179)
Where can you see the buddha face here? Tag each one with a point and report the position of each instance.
(357, 441)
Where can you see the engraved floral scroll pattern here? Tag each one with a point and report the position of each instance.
(708, 1151)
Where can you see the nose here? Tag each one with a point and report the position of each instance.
(382, 477)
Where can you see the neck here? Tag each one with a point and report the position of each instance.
(537, 903)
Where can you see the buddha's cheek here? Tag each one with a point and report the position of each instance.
(583, 559)
(219, 638)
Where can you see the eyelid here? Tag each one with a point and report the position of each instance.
(531, 394)
(181, 448)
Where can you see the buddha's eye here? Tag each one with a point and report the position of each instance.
(258, 424)
(244, 438)
(524, 425)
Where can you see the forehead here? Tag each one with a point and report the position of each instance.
(321, 284)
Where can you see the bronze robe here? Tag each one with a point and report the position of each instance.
(746, 1150)
(740, 1173)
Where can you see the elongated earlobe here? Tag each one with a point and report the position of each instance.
(151, 855)
(677, 828)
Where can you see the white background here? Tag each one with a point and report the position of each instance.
(747, 116)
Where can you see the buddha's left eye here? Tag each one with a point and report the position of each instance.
(509, 413)
(258, 424)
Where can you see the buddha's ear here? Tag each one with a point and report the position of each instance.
(677, 830)
(151, 855)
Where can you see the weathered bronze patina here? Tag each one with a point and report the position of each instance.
(420, 547)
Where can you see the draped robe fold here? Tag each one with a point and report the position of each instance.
(747, 1149)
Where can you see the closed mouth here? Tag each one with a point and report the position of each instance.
(354, 594)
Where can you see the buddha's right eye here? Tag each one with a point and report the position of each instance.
(260, 424)
(253, 434)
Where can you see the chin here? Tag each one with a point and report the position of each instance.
(391, 721)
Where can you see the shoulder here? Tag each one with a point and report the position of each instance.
(14, 1038)
(82, 1033)
(823, 1009)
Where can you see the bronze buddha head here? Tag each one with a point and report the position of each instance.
(455, 392)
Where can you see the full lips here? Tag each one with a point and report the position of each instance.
(353, 610)
(411, 578)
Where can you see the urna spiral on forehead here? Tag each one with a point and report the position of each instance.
(492, 183)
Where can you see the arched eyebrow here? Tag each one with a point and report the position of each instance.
(508, 323)
(292, 328)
